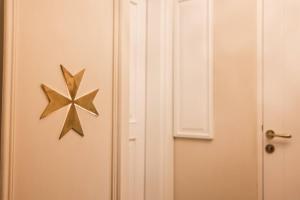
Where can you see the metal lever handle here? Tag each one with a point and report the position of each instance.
(271, 134)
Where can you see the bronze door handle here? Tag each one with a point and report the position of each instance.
(270, 134)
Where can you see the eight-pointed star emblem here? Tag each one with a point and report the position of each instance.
(58, 101)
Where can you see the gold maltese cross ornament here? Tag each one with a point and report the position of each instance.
(58, 101)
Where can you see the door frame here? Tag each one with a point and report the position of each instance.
(260, 98)
(165, 155)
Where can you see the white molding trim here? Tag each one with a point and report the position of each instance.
(190, 132)
(260, 135)
(167, 152)
(8, 117)
(163, 160)
(122, 100)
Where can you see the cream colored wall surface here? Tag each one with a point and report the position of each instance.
(226, 167)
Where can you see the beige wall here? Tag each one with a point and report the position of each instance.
(226, 168)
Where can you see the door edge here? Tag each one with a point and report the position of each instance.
(260, 149)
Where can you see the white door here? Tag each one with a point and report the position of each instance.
(67, 155)
(137, 94)
(281, 64)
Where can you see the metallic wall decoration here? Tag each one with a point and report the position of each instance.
(58, 101)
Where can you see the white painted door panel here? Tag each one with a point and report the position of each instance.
(77, 34)
(281, 50)
(137, 102)
(193, 69)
